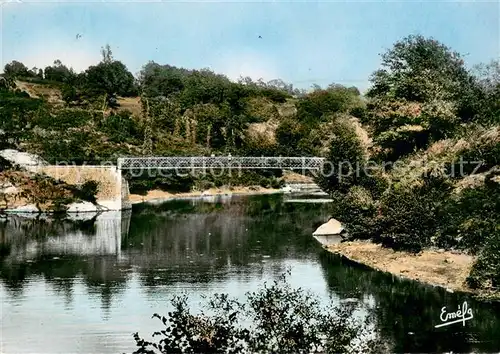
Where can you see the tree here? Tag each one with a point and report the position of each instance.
(16, 69)
(320, 103)
(107, 55)
(420, 69)
(17, 109)
(488, 78)
(161, 80)
(204, 86)
(276, 318)
(344, 158)
(58, 72)
(110, 78)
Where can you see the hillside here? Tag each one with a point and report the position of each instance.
(414, 164)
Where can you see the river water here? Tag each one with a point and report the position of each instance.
(84, 286)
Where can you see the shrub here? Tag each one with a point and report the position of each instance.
(409, 215)
(276, 318)
(64, 119)
(345, 155)
(485, 272)
(88, 191)
(163, 181)
(470, 218)
(358, 212)
(121, 128)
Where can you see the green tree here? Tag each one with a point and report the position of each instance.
(319, 104)
(419, 69)
(16, 69)
(274, 319)
(488, 77)
(110, 78)
(161, 80)
(344, 159)
(58, 72)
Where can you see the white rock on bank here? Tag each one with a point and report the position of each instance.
(8, 188)
(22, 159)
(30, 208)
(82, 207)
(332, 227)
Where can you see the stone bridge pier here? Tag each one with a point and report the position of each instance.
(113, 193)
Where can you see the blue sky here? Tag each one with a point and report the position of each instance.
(302, 42)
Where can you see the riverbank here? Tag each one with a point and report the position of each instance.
(159, 195)
(445, 269)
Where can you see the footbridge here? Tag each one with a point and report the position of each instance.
(220, 162)
(113, 191)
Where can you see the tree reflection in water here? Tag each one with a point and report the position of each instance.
(202, 243)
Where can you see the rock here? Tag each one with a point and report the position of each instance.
(30, 208)
(25, 160)
(82, 207)
(8, 188)
(332, 227)
(327, 240)
(286, 189)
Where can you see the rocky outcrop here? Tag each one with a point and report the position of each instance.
(331, 227)
(24, 160)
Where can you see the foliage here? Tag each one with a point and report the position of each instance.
(485, 272)
(4, 164)
(58, 72)
(419, 69)
(488, 77)
(87, 191)
(122, 127)
(16, 111)
(63, 119)
(345, 157)
(276, 318)
(408, 215)
(169, 182)
(161, 80)
(317, 105)
(16, 69)
(110, 78)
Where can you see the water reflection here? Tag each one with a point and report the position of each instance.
(98, 279)
(406, 312)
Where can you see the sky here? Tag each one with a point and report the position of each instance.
(302, 43)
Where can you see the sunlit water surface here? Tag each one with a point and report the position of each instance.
(84, 286)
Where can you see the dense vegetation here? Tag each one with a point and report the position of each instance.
(431, 176)
(415, 161)
(282, 320)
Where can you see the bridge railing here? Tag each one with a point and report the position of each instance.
(220, 162)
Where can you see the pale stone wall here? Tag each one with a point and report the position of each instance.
(113, 188)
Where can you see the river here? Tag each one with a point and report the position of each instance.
(84, 286)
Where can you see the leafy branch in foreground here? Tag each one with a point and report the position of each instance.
(275, 318)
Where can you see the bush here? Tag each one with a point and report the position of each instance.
(155, 180)
(122, 128)
(358, 212)
(276, 318)
(472, 217)
(485, 272)
(408, 217)
(345, 155)
(64, 119)
(88, 191)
